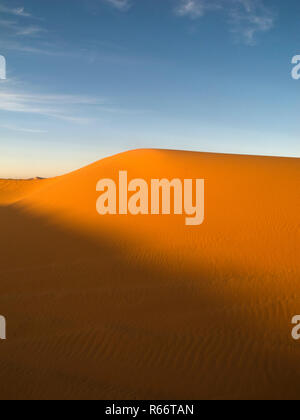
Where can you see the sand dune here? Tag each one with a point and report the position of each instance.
(12, 190)
(143, 306)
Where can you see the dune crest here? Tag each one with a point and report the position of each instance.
(143, 306)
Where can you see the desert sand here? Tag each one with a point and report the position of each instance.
(144, 307)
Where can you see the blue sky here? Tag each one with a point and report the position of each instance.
(90, 78)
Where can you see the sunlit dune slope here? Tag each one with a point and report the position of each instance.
(12, 191)
(252, 207)
(144, 306)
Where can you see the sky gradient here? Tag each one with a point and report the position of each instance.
(90, 78)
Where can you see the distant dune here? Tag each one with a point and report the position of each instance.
(12, 190)
(144, 307)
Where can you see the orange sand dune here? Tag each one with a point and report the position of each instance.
(144, 307)
(12, 190)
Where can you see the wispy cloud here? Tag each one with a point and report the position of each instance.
(18, 11)
(13, 20)
(20, 30)
(119, 4)
(68, 108)
(195, 9)
(42, 48)
(63, 107)
(22, 129)
(29, 30)
(247, 18)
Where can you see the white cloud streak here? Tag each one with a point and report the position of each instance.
(20, 30)
(29, 30)
(53, 106)
(195, 9)
(12, 22)
(119, 4)
(22, 130)
(42, 49)
(68, 108)
(247, 18)
(19, 11)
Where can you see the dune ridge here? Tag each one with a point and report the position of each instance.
(143, 306)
